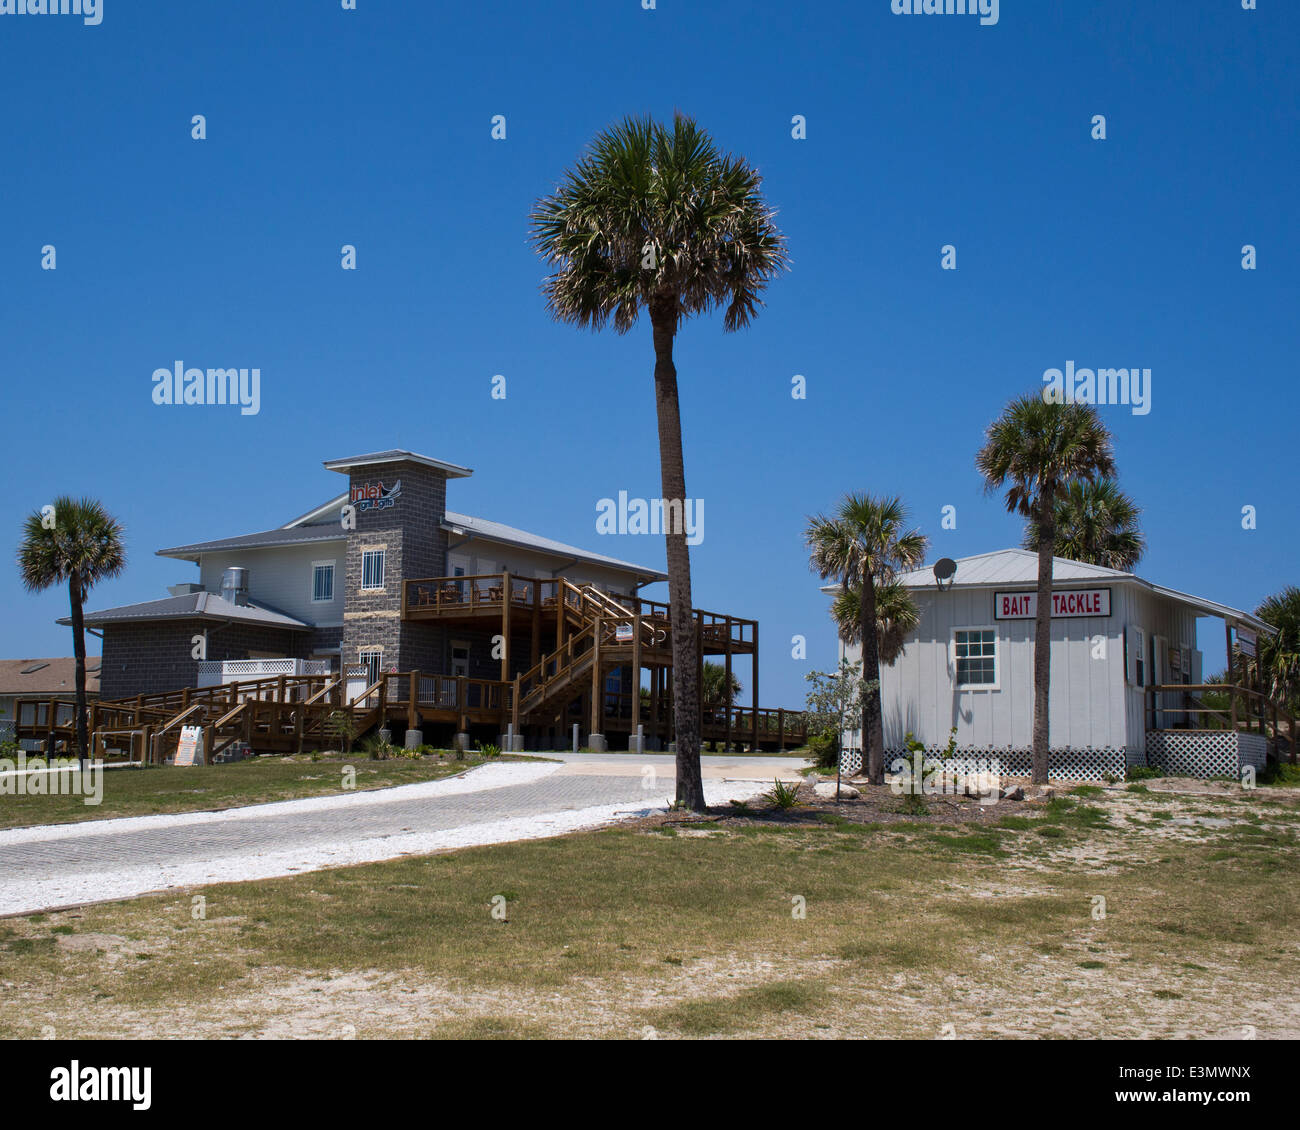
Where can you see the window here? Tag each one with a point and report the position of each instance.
(459, 658)
(372, 569)
(975, 656)
(372, 661)
(1135, 657)
(322, 581)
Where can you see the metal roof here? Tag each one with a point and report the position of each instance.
(309, 528)
(1019, 567)
(191, 606)
(1012, 567)
(267, 539)
(509, 535)
(395, 455)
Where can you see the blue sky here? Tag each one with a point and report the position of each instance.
(372, 127)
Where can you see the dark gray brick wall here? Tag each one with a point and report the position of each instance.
(145, 658)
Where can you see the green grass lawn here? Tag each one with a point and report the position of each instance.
(165, 788)
(692, 929)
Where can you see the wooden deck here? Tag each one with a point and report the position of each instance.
(297, 714)
(577, 636)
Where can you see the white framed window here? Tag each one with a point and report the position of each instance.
(322, 581)
(1135, 657)
(372, 569)
(975, 657)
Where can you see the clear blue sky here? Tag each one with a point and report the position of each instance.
(372, 127)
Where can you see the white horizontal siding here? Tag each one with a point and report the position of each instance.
(282, 578)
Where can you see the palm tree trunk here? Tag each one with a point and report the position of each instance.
(79, 651)
(873, 729)
(672, 474)
(1043, 632)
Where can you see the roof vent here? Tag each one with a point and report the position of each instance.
(234, 585)
(187, 589)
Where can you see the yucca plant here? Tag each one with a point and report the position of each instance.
(78, 543)
(1035, 450)
(783, 795)
(656, 218)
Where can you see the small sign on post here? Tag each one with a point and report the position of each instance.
(189, 750)
(1247, 641)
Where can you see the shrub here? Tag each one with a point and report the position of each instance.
(825, 748)
(783, 795)
(490, 750)
(1143, 772)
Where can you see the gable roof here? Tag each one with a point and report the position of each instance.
(1019, 568)
(1013, 567)
(192, 606)
(321, 525)
(46, 676)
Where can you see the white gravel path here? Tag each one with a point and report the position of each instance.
(85, 883)
(475, 781)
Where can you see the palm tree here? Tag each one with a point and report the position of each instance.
(716, 692)
(896, 618)
(1036, 449)
(1097, 523)
(80, 543)
(1279, 655)
(863, 547)
(656, 217)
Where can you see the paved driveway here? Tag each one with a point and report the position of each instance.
(60, 865)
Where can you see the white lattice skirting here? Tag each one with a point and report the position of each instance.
(1062, 764)
(1205, 753)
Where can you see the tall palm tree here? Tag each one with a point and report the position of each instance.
(1279, 655)
(864, 546)
(80, 544)
(896, 618)
(1036, 449)
(655, 217)
(1096, 523)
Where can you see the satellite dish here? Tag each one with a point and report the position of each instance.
(944, 570)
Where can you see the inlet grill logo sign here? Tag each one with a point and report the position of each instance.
(91, 11)
(375, 496)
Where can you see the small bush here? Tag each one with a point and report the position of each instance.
(782, 795)
(1143, 772)
(490, 750)
(825, 749)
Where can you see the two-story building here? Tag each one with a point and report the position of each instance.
(383, 578)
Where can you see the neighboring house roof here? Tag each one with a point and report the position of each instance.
(192, 606)
(321, 525)
(46, 676)
(1019, 567)
(395, 455)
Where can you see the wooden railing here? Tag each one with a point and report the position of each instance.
(1175, 706)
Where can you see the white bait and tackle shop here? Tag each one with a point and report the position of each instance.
(1127, 673)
